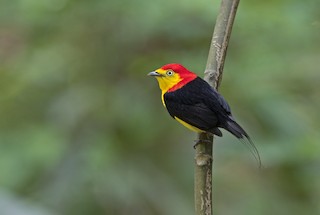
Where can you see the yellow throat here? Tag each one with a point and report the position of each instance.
(166, 82)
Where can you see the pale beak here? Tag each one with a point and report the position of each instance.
(154, 73)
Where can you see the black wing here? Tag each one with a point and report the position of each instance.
(198, 114)
(198, 104)
(214, 99)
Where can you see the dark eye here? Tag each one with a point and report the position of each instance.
(170, 72)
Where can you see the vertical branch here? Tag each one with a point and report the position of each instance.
(220, 41)
(213, 75)
(203, 175)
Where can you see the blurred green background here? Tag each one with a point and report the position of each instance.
(83, 130)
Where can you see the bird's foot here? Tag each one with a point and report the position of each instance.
(200, 141)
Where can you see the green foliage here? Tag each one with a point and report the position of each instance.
(83, 130)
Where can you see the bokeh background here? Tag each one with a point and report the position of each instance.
(83, 130)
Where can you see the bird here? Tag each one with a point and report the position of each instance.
(195, 104)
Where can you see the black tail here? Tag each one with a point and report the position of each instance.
(235, 129)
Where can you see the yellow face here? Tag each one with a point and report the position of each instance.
(166, 78)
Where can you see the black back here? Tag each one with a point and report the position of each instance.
(198, 104)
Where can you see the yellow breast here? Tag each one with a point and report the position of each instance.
(191, 127)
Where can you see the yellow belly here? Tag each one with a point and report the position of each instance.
(188, 125)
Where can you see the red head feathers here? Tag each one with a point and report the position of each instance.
(178, 68)
(185, 76)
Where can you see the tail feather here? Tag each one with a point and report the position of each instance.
(235, 129)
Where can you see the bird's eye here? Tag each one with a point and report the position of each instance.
(170, 72)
